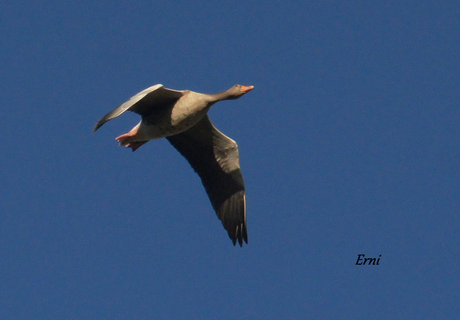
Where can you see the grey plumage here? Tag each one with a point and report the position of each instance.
(181, 117)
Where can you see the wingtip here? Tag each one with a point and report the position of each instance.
(239, 238)
(240, 241)
(245, 238)
(97, 126)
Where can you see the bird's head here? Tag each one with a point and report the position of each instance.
(238, 90)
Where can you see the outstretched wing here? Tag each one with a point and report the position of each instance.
(215, 158)
(144, 102)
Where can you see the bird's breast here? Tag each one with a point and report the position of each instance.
(187, 112)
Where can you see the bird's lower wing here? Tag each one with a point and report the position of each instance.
(215, 158)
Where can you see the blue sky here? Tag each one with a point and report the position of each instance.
(349, 145)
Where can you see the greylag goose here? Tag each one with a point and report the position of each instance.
(181, 117)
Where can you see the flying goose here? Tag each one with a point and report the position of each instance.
(181, 117)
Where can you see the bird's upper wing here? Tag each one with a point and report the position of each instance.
(215, 158)
(144, 102)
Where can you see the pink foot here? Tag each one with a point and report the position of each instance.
(135, 145)
(125, 136)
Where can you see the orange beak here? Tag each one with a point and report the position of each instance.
(246, 89)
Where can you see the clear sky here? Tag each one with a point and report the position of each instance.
(349, 144)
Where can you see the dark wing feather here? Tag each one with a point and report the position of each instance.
(215, 158)
(144, 103)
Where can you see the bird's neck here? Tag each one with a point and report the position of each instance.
(219, 96)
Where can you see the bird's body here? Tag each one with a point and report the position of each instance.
(174, 119)
(181, 117)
